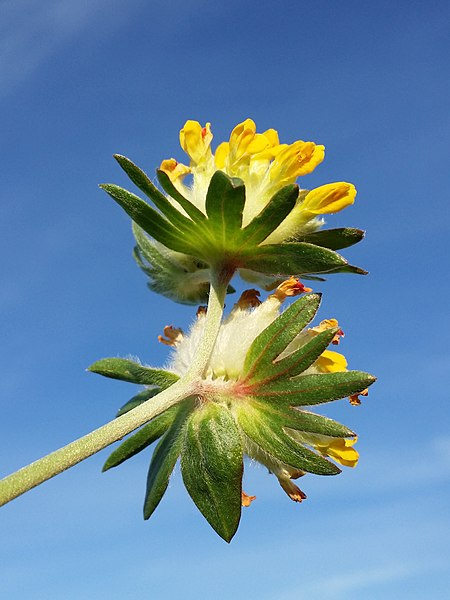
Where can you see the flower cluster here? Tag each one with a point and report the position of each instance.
(238, 209)
(265, 166)
(267, 367)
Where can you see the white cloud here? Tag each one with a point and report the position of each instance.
(30, 32)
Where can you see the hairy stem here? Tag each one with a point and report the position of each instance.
(56, 462)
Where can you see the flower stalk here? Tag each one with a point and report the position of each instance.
(68, 456)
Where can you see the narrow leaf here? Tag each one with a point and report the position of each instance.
(164, 459)
(274, 213)
(301, 420)
(297, 362)
(138, 399)
(265, 431)
(133, 372)
(139, 178)
(148, 218)
(335, 239)
(225, 202)
(271, 342)
(142, 439)
(308, 390)
(295, 258)
(190, 209)
(211, 465)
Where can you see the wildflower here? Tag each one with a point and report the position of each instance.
(267, 367)
(236, 209)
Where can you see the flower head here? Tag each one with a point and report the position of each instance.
(267, 369)
(238, 208)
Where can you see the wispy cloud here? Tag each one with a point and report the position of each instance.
(30, 32)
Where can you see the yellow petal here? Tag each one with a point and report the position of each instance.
(329, 198)
(221, 154)
(240, 138)
(341, 451)
(331, 362)
(174, 169)
(299, 158)
(196, 140)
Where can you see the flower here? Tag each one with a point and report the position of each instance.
(236, 209)
(266, 370)
(265, 166)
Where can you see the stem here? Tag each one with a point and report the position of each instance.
(47, 467)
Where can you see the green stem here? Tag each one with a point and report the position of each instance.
(47, 467)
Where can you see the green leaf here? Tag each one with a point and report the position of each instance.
(335, 239)
(301, 420)
(298, 361)
(308, 390)
(142, 439)
(139, 178)
(164, 459)
(271, 342)
(212, 465)
(274, 213)
(138, 399)
(266, 431)
(225, 201)
(296, 258)
(166, 184)
(133, 372)
(147, 218)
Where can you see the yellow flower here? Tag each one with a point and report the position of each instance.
(174, 169)
(331, 362)
(196, 141)
(265, 166)
(339, 449)
(329, 198)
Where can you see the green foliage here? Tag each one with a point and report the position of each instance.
(128, 370)
(211, 464)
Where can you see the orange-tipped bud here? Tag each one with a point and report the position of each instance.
(173, 335)
(248, 299)
(289, 287)
(246, 499)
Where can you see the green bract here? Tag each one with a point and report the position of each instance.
(187, 243)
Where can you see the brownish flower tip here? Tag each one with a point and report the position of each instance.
(249, 299)
(201, 310)
(355, 400)
(173, 335)
(246, 499)
(290, 287)
(337, 337)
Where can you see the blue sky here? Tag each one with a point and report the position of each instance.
(83, 80)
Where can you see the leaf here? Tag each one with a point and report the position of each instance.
(274, 213)
(138, 399)
(298, 361)
(133, 372)
(142, 439)
(271, 342)
(301, 420)
(166, 184)
(225, 201)
(212, 465)
(335, 239)
(308, 390)
(164, 459)
(265, 430)
(296, 258)
(147, 218)
(139, 178)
